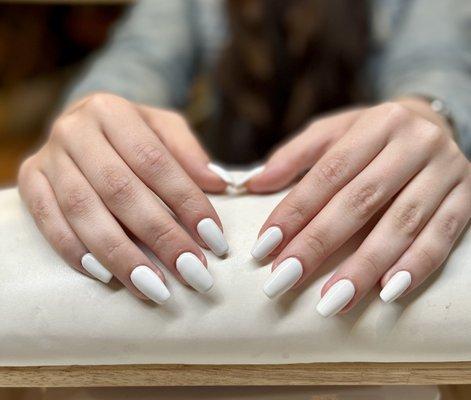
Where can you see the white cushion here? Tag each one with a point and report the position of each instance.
(52, 315)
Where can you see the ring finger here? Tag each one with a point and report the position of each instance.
(101, 233)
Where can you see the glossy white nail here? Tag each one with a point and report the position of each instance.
(267, 242)
(397, 285)
(336, 298)
(249, 175)
(283, 277)
(194, 272)
(223, 173)
(212, 235)
(149, 283)
(93, 266)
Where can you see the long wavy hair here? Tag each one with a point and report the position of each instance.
(286, 61)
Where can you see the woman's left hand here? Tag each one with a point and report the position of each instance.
(397, 159)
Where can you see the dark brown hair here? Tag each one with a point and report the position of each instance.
(286, 61)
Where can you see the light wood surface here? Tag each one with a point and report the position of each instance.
(222, 375)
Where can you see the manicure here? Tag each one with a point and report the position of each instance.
(249, 175)
(336, 298)
(283, 277)
(93, 267)
(149, 283)
(194, 272)
(212, 235)
(267, 242)
(397, 285)
(222, 173)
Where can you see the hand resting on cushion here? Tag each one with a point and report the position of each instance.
(398, 160)
(105, 170)
(109, 164)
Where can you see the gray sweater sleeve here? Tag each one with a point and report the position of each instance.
(149, 58)
(429, 53)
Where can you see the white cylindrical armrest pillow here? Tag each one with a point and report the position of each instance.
(52, 315)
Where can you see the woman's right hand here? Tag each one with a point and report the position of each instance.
(110, 167)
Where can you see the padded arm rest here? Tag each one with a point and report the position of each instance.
(52, 315)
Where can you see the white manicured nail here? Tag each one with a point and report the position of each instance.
(397, 285)
(194, 272)
(337, 297)
(212, 235)
(283, 277)
(267, 242)
(149, 283)
(93, 266)
(249, 175)
(223, 173)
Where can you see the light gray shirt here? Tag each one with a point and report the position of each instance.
(417, 47)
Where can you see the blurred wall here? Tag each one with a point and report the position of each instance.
(42, 45)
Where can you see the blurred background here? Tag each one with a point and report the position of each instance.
(42, 46)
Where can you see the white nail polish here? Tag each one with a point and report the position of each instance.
(93, 266)
(249, 175)
(397, 285)
(336, 298)
(267, 242)
(223, 173)
(194, 272)
(283, 277)
(212, 235)
(149, 283)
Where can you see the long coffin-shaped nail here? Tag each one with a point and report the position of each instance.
(283, 277)
(249, 175)
(194, 272)
(212, 235)
(267, 242)
(397, 285)
(149, 283)
(223, 173)
(93, 266)
(336, 298)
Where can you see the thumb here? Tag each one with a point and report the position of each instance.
(300, 153)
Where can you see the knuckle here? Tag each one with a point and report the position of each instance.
(448, 227)
(334, 169)
(427, 259)
(63, 128)
(40, 210)
(162, 235)
(64, 240)
(113, 251)
(173, 116)
(118, 187)
(295, 212)
(77, 202)
(25, 167)
(371, 262)
(395, 113)
(364, 201)
(102, 102)
(187, 202)
(431, 136)
(318, 244)
(151, 158)
(408, 219)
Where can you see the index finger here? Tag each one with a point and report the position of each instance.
(150, 160)
(339, 165)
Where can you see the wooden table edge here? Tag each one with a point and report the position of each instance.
(358, 373)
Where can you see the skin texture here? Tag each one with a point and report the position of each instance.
(106, 172)
(396, 160)
(109, 164)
